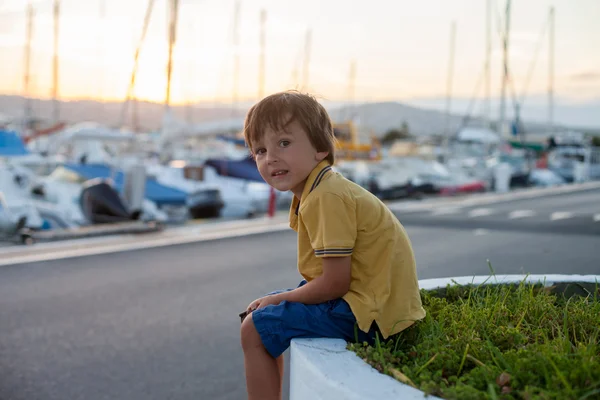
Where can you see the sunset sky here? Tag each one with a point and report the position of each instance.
(401, 48)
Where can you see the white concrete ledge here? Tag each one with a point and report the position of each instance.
(322, 369)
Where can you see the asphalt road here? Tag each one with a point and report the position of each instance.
(162, 323)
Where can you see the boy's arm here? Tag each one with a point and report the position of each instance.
(333, 284)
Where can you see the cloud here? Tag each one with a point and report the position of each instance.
(586, 76)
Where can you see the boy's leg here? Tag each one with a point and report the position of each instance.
(267, 333)
(248, 335)
(263, 372)
(280, 367)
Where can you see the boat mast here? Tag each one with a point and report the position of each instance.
(101, 56)
(174, 6)
(351, 89)
(449, 89)
(135, 62)
(261, 63)
(551, 74)
(27, 72)
(501, 123)
(55, 105)
(191, 66)
(306, 64)
(488, 54)
(236, 58)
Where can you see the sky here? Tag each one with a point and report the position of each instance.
(401, 48)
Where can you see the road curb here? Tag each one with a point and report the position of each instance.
(85, 247)
(490, 198)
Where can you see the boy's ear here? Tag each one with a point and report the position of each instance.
(321, 155)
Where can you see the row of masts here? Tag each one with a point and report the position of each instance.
(30, 17)
(173, 17)
(502, 125)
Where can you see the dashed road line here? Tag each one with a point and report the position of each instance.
(446, 211)
(480, 212)
(518, 214)
(557, 216)
(480, 232)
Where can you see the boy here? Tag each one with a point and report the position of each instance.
(355, 257)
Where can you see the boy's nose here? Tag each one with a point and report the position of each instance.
(272, 157)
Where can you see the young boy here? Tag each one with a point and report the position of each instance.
(355, 257)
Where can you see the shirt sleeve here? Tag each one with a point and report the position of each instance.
(331, 225)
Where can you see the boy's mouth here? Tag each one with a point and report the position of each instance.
(279, 172)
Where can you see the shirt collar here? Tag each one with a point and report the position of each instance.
(313, 180)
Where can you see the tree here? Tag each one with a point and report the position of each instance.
(404, 129)
(396, 134)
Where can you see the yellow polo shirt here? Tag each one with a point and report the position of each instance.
(337, 218)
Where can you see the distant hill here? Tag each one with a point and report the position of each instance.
(376, 117)
(381, 117)
(109, 113)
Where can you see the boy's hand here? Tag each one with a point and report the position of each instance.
(264, 301)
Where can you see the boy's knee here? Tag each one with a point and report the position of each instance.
(248, 333)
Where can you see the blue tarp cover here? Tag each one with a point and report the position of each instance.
(156, 192)
(243, 169)
(11, 144)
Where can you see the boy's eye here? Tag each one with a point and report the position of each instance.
(260, 151)
(284, 143)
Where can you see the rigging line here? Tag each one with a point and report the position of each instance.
(469, 112)
(295, 74)
(531, 65)
(534, 62)
(135, 60)
(509, 79)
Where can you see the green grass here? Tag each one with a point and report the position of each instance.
(520, 341)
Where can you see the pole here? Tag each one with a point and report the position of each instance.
(27, 72)
(305, 68)
(551, 74)
(236, 57)
(488, 55)
(101, 47)
(189, 112)
(135, 62)
(172, 37)
(449, 89)
(55, 105)
(261, 64)
(134, 113)
(505, 37)
(349, 110)
(351, 86)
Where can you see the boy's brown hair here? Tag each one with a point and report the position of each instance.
(273, 111)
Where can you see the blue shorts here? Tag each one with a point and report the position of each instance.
(278, 324)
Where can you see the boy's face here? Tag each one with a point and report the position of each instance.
(286, 158)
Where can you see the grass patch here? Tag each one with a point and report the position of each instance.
(510, 341)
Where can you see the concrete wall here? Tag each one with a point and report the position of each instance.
(322, 369)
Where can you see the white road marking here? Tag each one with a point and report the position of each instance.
(480, 212)
(596, 217)
(480, 232)
(556, 216)
(521, 214)
(446, 211)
